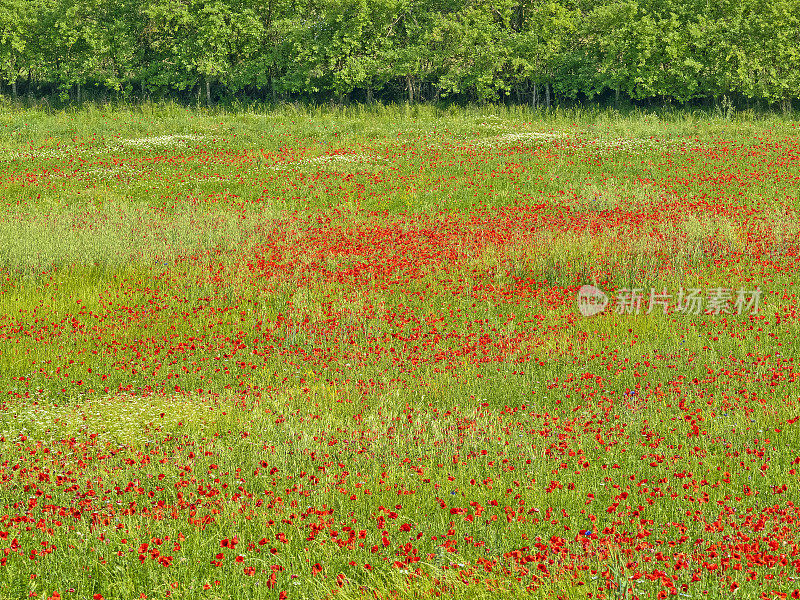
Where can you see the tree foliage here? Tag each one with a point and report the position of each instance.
(483, 50)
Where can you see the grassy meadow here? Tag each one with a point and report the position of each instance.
(338, 353)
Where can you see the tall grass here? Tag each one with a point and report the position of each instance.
(153, 246)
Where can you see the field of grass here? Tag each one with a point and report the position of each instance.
(339, 354)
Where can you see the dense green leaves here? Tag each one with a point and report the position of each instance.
(529, 50)
(15, 27)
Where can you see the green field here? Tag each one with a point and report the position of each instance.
(317, 353)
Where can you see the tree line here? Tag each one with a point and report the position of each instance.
(531, 51)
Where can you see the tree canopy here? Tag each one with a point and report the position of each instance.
(525, 50)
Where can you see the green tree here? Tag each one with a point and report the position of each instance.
(545, 47)
(625, 37)
(473, 48)
(770, 55)
(199, 42)
(17, 22)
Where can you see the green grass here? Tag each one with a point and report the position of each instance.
(359, 290)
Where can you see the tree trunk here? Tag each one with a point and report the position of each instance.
(369, 95)
(208, 91)
(14, 88)
(534, 97)
(616, 98)
(268, 21)
(547, 94)
(410, 83)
